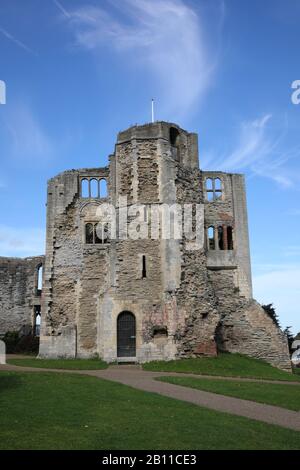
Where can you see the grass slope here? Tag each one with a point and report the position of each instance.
(71, 364)
(226, 365)
(285, 396)
(56, 411)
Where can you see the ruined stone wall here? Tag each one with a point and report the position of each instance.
(192, 300)
(18, 293)
(244, 326)
(75, 273)
(195, 296)
(230, 210)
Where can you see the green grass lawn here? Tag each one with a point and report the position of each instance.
(226, 365)
(56, 411)
(286, 396)
(71, 364)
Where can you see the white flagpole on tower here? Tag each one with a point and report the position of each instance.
(152, 102)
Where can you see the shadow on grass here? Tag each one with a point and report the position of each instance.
(8, 382)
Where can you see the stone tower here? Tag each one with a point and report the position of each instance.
(138, 294)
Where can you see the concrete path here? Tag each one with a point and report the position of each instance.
(136, 377)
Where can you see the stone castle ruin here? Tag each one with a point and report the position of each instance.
(143, 298)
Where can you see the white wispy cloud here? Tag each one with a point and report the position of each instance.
(27, 140)
(281, 287)
(257, 151)
(165, 36)
(16, 41)
(61, 8)
(21, 242)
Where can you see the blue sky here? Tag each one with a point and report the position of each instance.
(77, 72)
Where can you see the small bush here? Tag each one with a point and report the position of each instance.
(11, 339)
(20, 344)
(28, 344)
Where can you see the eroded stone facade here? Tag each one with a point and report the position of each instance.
(20, 296)
(189, 302)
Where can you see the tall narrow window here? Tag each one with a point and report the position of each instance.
(144, 268)
(221, 238)
(211, 238)
(40, 278)
(217, 188)
(89, 234)
(209, 189)
(85, 188)
(175, 142)
(37, 325)
(98, 228)
(229, 238)
(94, 187)
(103, 188)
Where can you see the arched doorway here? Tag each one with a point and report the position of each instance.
(126, 335)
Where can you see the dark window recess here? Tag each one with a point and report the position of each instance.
(89, 234)
(144, 270)
(175, 142)
(221, 238)
(96, 234)
(229, 238)
(174, 134)
(159, 332)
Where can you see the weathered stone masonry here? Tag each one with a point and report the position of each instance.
(186, 302)
(183, 302)
(20, 298)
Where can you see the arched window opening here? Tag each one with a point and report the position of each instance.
(229, 238)
(211, 238)
(94, 188)
(103, 188)
(209, 189)
(89, 234)
(218, 184)
(85, 188)
(221, 238)
(38, 325)
(213, 189)
(39, 280)
(218, 188)
(37, 320)
(209, 184)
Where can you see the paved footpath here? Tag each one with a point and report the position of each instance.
(135, 376)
